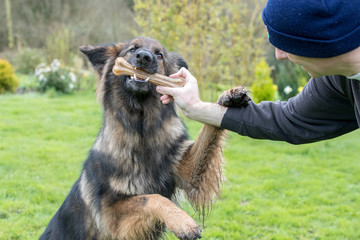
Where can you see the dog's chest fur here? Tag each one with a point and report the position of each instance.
(139, 162)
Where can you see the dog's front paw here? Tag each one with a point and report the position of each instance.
(184, 227)
(235, 97)
(192, 234)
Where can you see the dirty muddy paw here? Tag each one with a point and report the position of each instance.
(235, 97)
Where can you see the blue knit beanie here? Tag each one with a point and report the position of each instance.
(313, 28)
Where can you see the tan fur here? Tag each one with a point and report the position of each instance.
(201, 168)
(200, 171)
(141, 212)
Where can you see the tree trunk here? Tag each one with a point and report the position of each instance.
(9, 24)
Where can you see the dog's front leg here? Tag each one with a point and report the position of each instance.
(135, 218)
(200, 170)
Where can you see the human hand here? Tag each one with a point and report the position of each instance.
(186, 97)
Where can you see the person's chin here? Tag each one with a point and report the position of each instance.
(314, 75)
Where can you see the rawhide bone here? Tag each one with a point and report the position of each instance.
(122, 67)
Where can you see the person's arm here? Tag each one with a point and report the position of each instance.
(321, 111)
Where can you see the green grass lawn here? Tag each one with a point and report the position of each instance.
(274, 190)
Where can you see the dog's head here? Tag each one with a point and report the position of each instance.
(141, 52)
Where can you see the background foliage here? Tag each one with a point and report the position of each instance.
(262, 88)
(89, 21)
(27, 59)
(8, 80)
(287, 74)
(221, 40)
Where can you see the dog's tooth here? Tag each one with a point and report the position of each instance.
(134, 68)
(134, 75)
(147, 79)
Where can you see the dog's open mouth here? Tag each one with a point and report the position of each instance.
(137, 78)
(137, 84)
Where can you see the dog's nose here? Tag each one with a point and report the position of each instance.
(144, 57)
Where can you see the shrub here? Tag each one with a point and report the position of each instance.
(86, 81)
(263, 87)
(28, 83)
(288, 76)
(8, 81)
(27, 59)
(56, 77)
(287, 83)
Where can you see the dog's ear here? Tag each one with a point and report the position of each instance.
(176, 62)
(98, 55)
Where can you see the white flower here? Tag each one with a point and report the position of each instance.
(72, 77)
(47, 69)
(42, 78)
(71, 86)
(62, 77)
(40, 69)
(55, 65)
(288, 90)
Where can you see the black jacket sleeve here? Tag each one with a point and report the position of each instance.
(323, 110)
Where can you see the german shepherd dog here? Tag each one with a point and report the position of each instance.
(141, 155)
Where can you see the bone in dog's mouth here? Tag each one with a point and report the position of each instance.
(122, 67)
(137, 78)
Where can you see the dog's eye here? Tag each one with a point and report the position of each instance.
(133, 49)
(159, 56)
